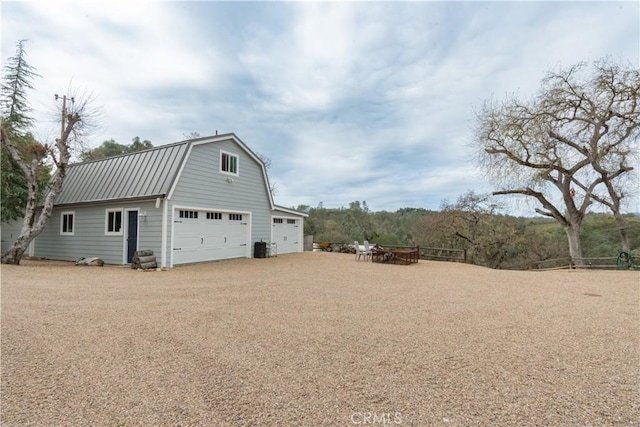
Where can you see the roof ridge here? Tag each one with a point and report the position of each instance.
(159, 147)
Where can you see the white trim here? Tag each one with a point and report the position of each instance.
(226, 137)
(200, 208)
(230, 154)
(173, 232)
(290, 211)
(163, 251)
(249, 221)
(185, 159)
(300, 220)
(73, 223)
(219, 138)
(125, 233)
(106, 221)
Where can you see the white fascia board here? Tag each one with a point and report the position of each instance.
(225, 137)
(289, 211)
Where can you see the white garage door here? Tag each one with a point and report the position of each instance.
(208, 235)
(286, 233)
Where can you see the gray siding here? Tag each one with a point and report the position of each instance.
(202, 185)
(145, 176)
(9, 233)
(89, 237)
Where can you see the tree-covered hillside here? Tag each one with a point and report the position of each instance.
(474, 225)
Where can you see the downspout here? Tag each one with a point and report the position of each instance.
(32, 248)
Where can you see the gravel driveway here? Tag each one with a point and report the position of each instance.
(318, 339)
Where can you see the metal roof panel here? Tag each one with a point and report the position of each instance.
(144, 173)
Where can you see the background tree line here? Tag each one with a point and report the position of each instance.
(112, 148)
(571, 146)
(475, 224)
(14, 183)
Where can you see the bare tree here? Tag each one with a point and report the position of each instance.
(266, 160)
(548, 146)
(74, 115)
(604, 108)
(473, 225)
(191, 135)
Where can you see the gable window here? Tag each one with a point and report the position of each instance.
(113, 223)
(67, 222)
(228, 163)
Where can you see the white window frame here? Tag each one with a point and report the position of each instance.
(188, 214)
(73, 223)
(231, 155)
(106, 222)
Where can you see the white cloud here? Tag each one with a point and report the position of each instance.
(310, 66)
(351, 101)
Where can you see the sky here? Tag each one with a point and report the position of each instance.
(367, 101)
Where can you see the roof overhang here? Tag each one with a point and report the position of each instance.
(246, 149)
(289, 211)
(110, 201)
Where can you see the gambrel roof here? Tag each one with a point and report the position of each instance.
(141, 175)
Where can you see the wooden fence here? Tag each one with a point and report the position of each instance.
(601, 263)
(434, 254)
(597, 262)
(443, 254)
(460, 255)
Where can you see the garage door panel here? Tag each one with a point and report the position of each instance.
(189, 241)
(223, 253)
(286, 234)
(209, 237)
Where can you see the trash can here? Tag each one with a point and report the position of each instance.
(260, 250)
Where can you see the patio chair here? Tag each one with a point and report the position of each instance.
(359, 253)
(368, 250)
(272, 249)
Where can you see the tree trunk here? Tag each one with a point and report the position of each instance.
(575, 249)
(624, 238)
(148, 265)
(29, 232)
(32, 227)
(13, 255)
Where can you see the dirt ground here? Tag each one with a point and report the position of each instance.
(318, 339)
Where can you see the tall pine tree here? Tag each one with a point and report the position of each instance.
(28, 155)
(16, 118)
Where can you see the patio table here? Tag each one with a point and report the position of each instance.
(396, 255)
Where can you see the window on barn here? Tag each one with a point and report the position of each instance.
(228, 163)
(113, 223)
(67, 223)
(188, 214)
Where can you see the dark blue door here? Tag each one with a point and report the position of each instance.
(132, 235)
